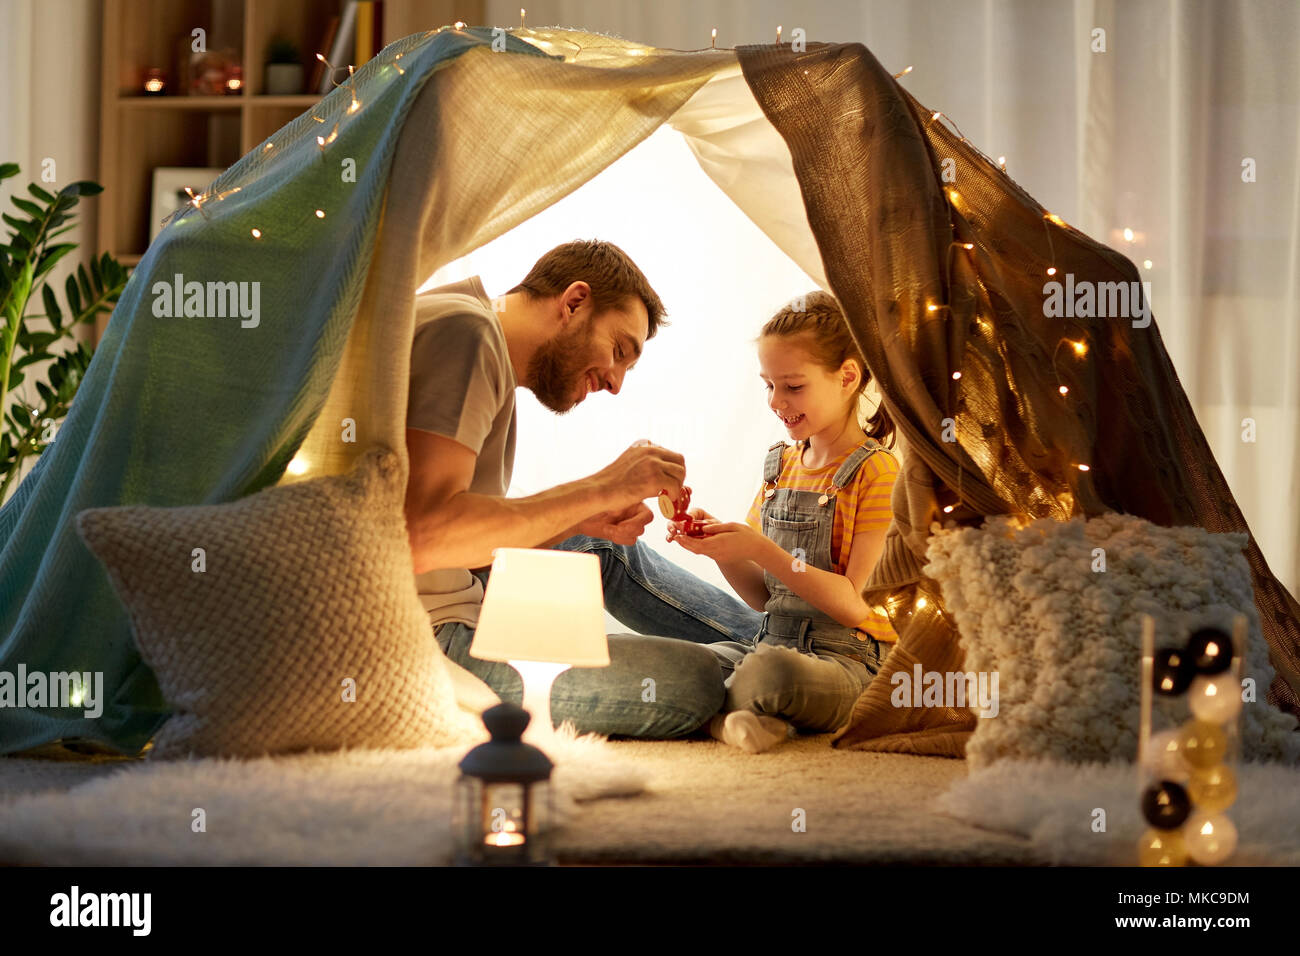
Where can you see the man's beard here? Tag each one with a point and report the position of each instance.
(557, 368)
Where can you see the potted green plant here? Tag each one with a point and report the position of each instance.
(44, 345)
(283, 68)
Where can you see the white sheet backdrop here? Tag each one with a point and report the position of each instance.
(1150, 135)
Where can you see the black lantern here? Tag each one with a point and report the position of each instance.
(504, 804)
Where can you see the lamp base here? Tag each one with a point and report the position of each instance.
(538, 676)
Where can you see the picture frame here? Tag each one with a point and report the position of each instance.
(169, 194)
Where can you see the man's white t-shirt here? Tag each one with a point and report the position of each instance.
(463, 388)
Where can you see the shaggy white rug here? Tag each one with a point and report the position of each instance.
(363, 807)
(681, 802)
(1053, 805)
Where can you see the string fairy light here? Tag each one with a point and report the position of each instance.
(778, 34)
(904, 73)
(196, 201)
(713, 40)
(323, 141)
(352, 87)
(521, 17)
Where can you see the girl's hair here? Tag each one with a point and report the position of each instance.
(816, 317)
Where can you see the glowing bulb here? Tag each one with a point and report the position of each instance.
(1051, 271)
(1215, 700)
(522, 11)
(920, 602)
(298, 466)
(932, 308)
(1002, 161)
(1146, 263)
(257, 233)
(269, 146)
(459, 24)
(1214, 789)
(1080, 348)
(1211, 838)
(713, 39)
(1128, 235)
(320, 213)
(947, 509)
(952, 194)
(968, 245)
(1064, 390)
(1202, 744)
(956, 375)
(904, 73)
(1163, 757)
(1056, 219)
(1083, 468)
(1162, 848)
(778, 34)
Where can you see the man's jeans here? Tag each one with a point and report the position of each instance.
(655, 686)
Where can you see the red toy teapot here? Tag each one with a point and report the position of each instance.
(676, 511)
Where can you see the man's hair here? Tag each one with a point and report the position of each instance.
(613, 277)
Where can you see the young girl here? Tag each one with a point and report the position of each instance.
(812, 537)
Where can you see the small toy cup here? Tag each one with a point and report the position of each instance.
(676, 511)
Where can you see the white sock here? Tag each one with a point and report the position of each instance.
(748, 731)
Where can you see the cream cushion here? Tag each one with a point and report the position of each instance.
(284, 621)
(1033, 606)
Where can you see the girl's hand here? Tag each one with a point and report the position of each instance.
(725, 543)
(675, 530)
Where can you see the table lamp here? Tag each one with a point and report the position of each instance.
(543, 612)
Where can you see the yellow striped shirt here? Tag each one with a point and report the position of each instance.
(861, 508)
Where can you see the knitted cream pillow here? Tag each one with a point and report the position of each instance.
(297, 626)
(1065, 640)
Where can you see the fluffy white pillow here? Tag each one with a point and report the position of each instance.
(1065, 640)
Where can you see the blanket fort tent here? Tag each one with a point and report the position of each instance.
(449, 139)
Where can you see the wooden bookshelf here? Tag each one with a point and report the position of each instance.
(139, 133)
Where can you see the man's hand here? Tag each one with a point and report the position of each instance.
(621, 527)
(643, 471)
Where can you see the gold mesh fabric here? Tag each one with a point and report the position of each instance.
(871, 163)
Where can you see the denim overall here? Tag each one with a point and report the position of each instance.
(800, 522)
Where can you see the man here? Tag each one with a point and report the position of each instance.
(576, 324)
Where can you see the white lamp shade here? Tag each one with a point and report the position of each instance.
(543, 605)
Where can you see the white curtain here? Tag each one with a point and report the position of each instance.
(1177, 122)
